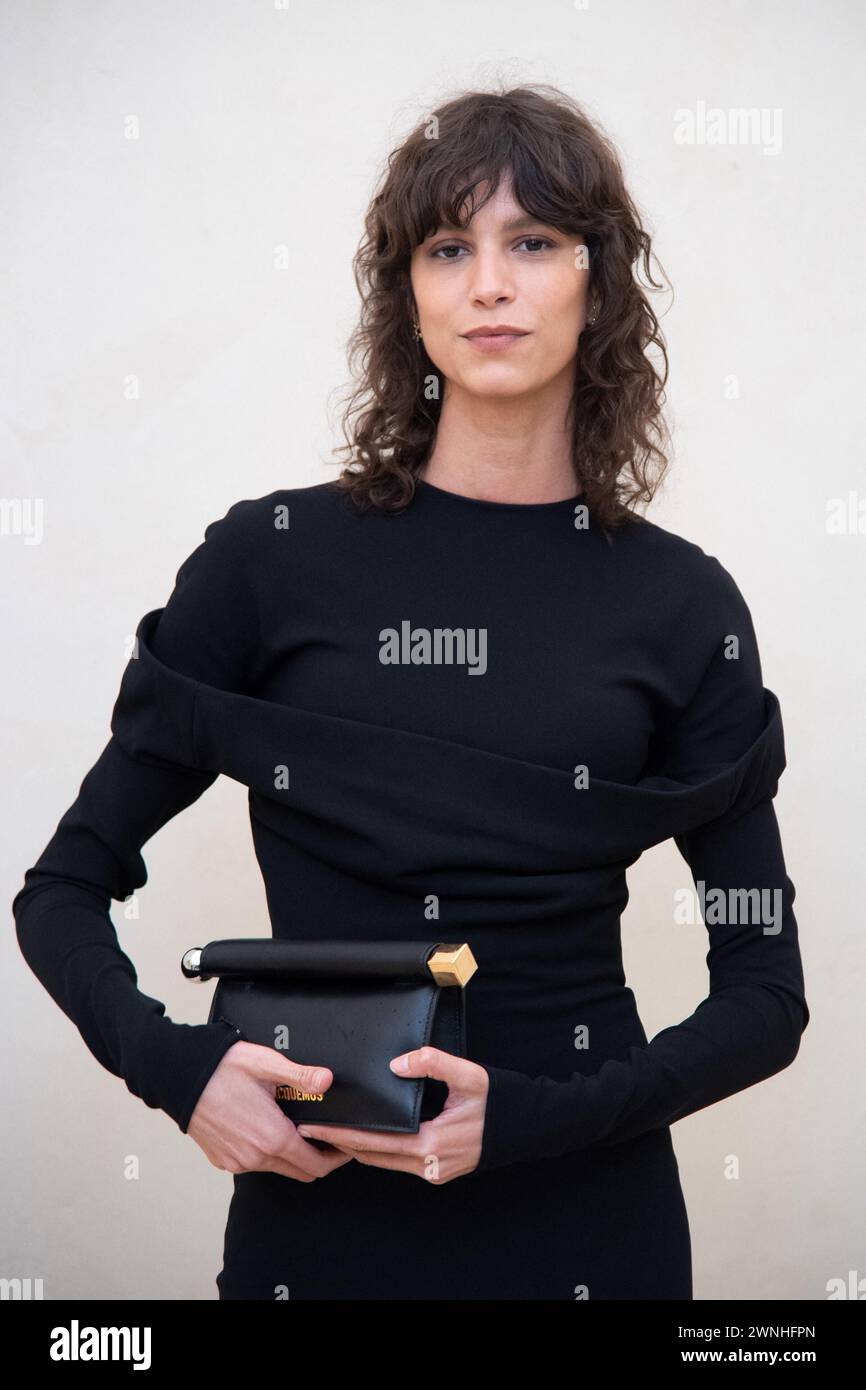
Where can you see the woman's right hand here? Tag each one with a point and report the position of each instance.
(241, 1128)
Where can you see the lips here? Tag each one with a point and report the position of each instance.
(500, 337)
(503, 330)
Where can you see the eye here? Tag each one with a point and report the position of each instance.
(451, 247)
(544, 243)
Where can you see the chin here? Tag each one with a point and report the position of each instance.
(502, 384)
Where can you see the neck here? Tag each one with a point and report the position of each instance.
(504, 449)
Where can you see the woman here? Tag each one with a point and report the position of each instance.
(602, 693)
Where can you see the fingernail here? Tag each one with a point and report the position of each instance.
(400, 1063)
(305, 1132)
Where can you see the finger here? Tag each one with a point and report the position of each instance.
(334, 1158)
(326, 1151)
(286, 1170)
(441, 1066)
(313, 1164)
(318, 1162)
(273, 1066)
(396, 1163)
(272, 1163)
(361, 1140)
(418, 1166)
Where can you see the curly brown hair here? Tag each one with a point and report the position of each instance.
(566, 172)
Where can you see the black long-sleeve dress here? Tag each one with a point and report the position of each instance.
(487, 712)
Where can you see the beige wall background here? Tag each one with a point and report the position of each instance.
(159, 363)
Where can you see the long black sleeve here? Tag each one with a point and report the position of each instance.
(209, 629)
(398, 775)
(749, 1026)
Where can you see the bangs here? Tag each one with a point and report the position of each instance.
(456, 176)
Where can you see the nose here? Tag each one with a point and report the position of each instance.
(492, 278)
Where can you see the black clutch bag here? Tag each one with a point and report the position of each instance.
(347, 1005)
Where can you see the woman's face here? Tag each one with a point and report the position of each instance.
(528, 277)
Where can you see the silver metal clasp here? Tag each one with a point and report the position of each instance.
(191, 964)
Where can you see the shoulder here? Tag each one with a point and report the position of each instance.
(250, 531)
(678, 573)
(252, 521)
(277, 508)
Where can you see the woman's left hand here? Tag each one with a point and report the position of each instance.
(444, 1148)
